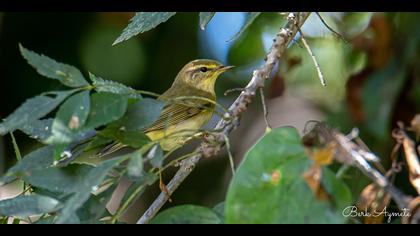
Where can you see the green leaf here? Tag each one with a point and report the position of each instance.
(141, 114)
(219, 209)
(66, 74)
(62, 180)
(70, 118)
(97, 141)
(135, 139)
(336, 189)
(105, 108)
(137, 188)
(31, 110)
(268, 186)
(38, 159)
(205, 18)
(102, 85)
(92, 180)
(135, 165)
(23, 206)
(142, 22)
(354, 23)
(187, 214)
(38, 129)
(250, 18)
(95, 207)
(156, 156)
(248, 49)
(379, 95)
(16, 147)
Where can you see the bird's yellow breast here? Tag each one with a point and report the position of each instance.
(175, 136)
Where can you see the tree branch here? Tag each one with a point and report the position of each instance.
(231, 119)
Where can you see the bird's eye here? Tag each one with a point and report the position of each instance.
(203, 69)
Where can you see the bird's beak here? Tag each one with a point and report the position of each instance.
(225, 68)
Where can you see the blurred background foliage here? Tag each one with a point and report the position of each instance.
(373, 79)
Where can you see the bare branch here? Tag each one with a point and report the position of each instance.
(207, 149)
(351, 151)
(411, 156)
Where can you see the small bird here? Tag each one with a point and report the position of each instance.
(188, 105)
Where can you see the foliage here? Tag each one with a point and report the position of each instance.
(271, 185)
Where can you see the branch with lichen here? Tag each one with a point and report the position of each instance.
(230, 121)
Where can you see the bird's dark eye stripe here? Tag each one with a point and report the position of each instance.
(203, 69)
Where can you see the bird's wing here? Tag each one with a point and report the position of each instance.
(175, 113)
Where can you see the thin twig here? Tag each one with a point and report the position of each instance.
(264, 105)
(283, 38)
(331, 29)
(318, 68)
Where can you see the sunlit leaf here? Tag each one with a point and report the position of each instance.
(142, 22)
(205, 18)
(66, 74)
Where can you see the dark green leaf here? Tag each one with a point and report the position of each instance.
(248, 49)
(135, 139)
(23, 206)
(31, 110)
(137, 188)
(63, 180)
(95, 207)
(66, 74)
(142, 22)
(336, 189)
(187, 214)
(92, 180)
(38, 129)
(70, 118)
(379, 95)
(135, 165)
(102, 85)
(205, 18)
(268, 186)
(38, 159)
(105, 108)
(97, 141)
(249, 19)
(141, 114)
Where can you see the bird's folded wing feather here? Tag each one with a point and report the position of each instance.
(175, 113)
